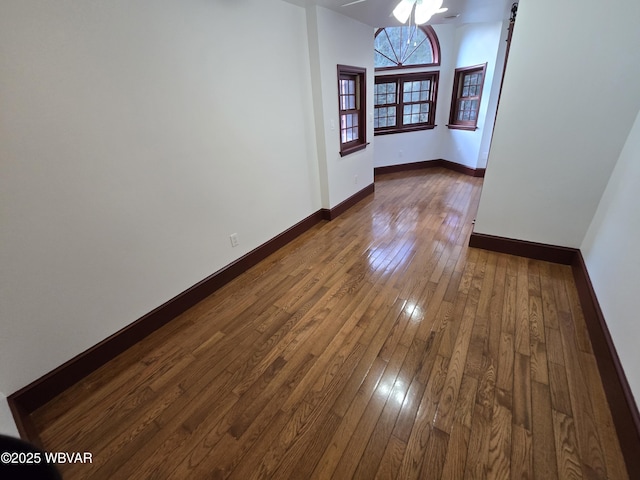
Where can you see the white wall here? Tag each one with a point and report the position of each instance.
(336, 39)
(135, 137)
(611, 253)
(568, 101)
(475, 44)
(7, 425)
(461, 46)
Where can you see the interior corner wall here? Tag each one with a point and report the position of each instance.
(318, 102)
(476, 44)
(569, 99)
(340, 40)
(135, 137)
(612, 256)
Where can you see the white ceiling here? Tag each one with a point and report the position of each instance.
(377, 13)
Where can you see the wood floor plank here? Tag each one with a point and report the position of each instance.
(567, 455)
(544, 464)
(377, 345)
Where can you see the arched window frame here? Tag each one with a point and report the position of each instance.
(435, 49)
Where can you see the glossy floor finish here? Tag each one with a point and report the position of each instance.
(377, 345)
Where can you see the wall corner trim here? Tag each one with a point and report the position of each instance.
(624, 409)
(456, 167)
(622, 403)
(332, 213)
(523, 248)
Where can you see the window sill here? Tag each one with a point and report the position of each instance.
(349, 150)
(462, 127)
(403, 130)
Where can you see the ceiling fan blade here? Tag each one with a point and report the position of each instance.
(353, 3)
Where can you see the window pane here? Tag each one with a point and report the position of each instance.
(402, 45)
(465, 92)
(351, 102)
(414, 104)
(355, 120)
(349, 121)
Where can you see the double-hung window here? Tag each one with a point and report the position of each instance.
(352, 103)
(467, 93)
(405, 103)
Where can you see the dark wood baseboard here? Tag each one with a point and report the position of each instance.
(456, 167)
(622, 403)
(624, 409)
(38, 393)
(523, 248)
(331, 213)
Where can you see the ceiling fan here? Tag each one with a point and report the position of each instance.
(424, 9)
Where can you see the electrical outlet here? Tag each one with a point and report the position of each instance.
(234, 239)
(400, 153)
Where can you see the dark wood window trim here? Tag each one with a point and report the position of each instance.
(457, 97)
(352, 115)
(435, 49)
(399, 103)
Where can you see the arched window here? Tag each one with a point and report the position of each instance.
(405, 101)
(402, 47)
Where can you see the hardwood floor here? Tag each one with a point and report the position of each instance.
(377, 345)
